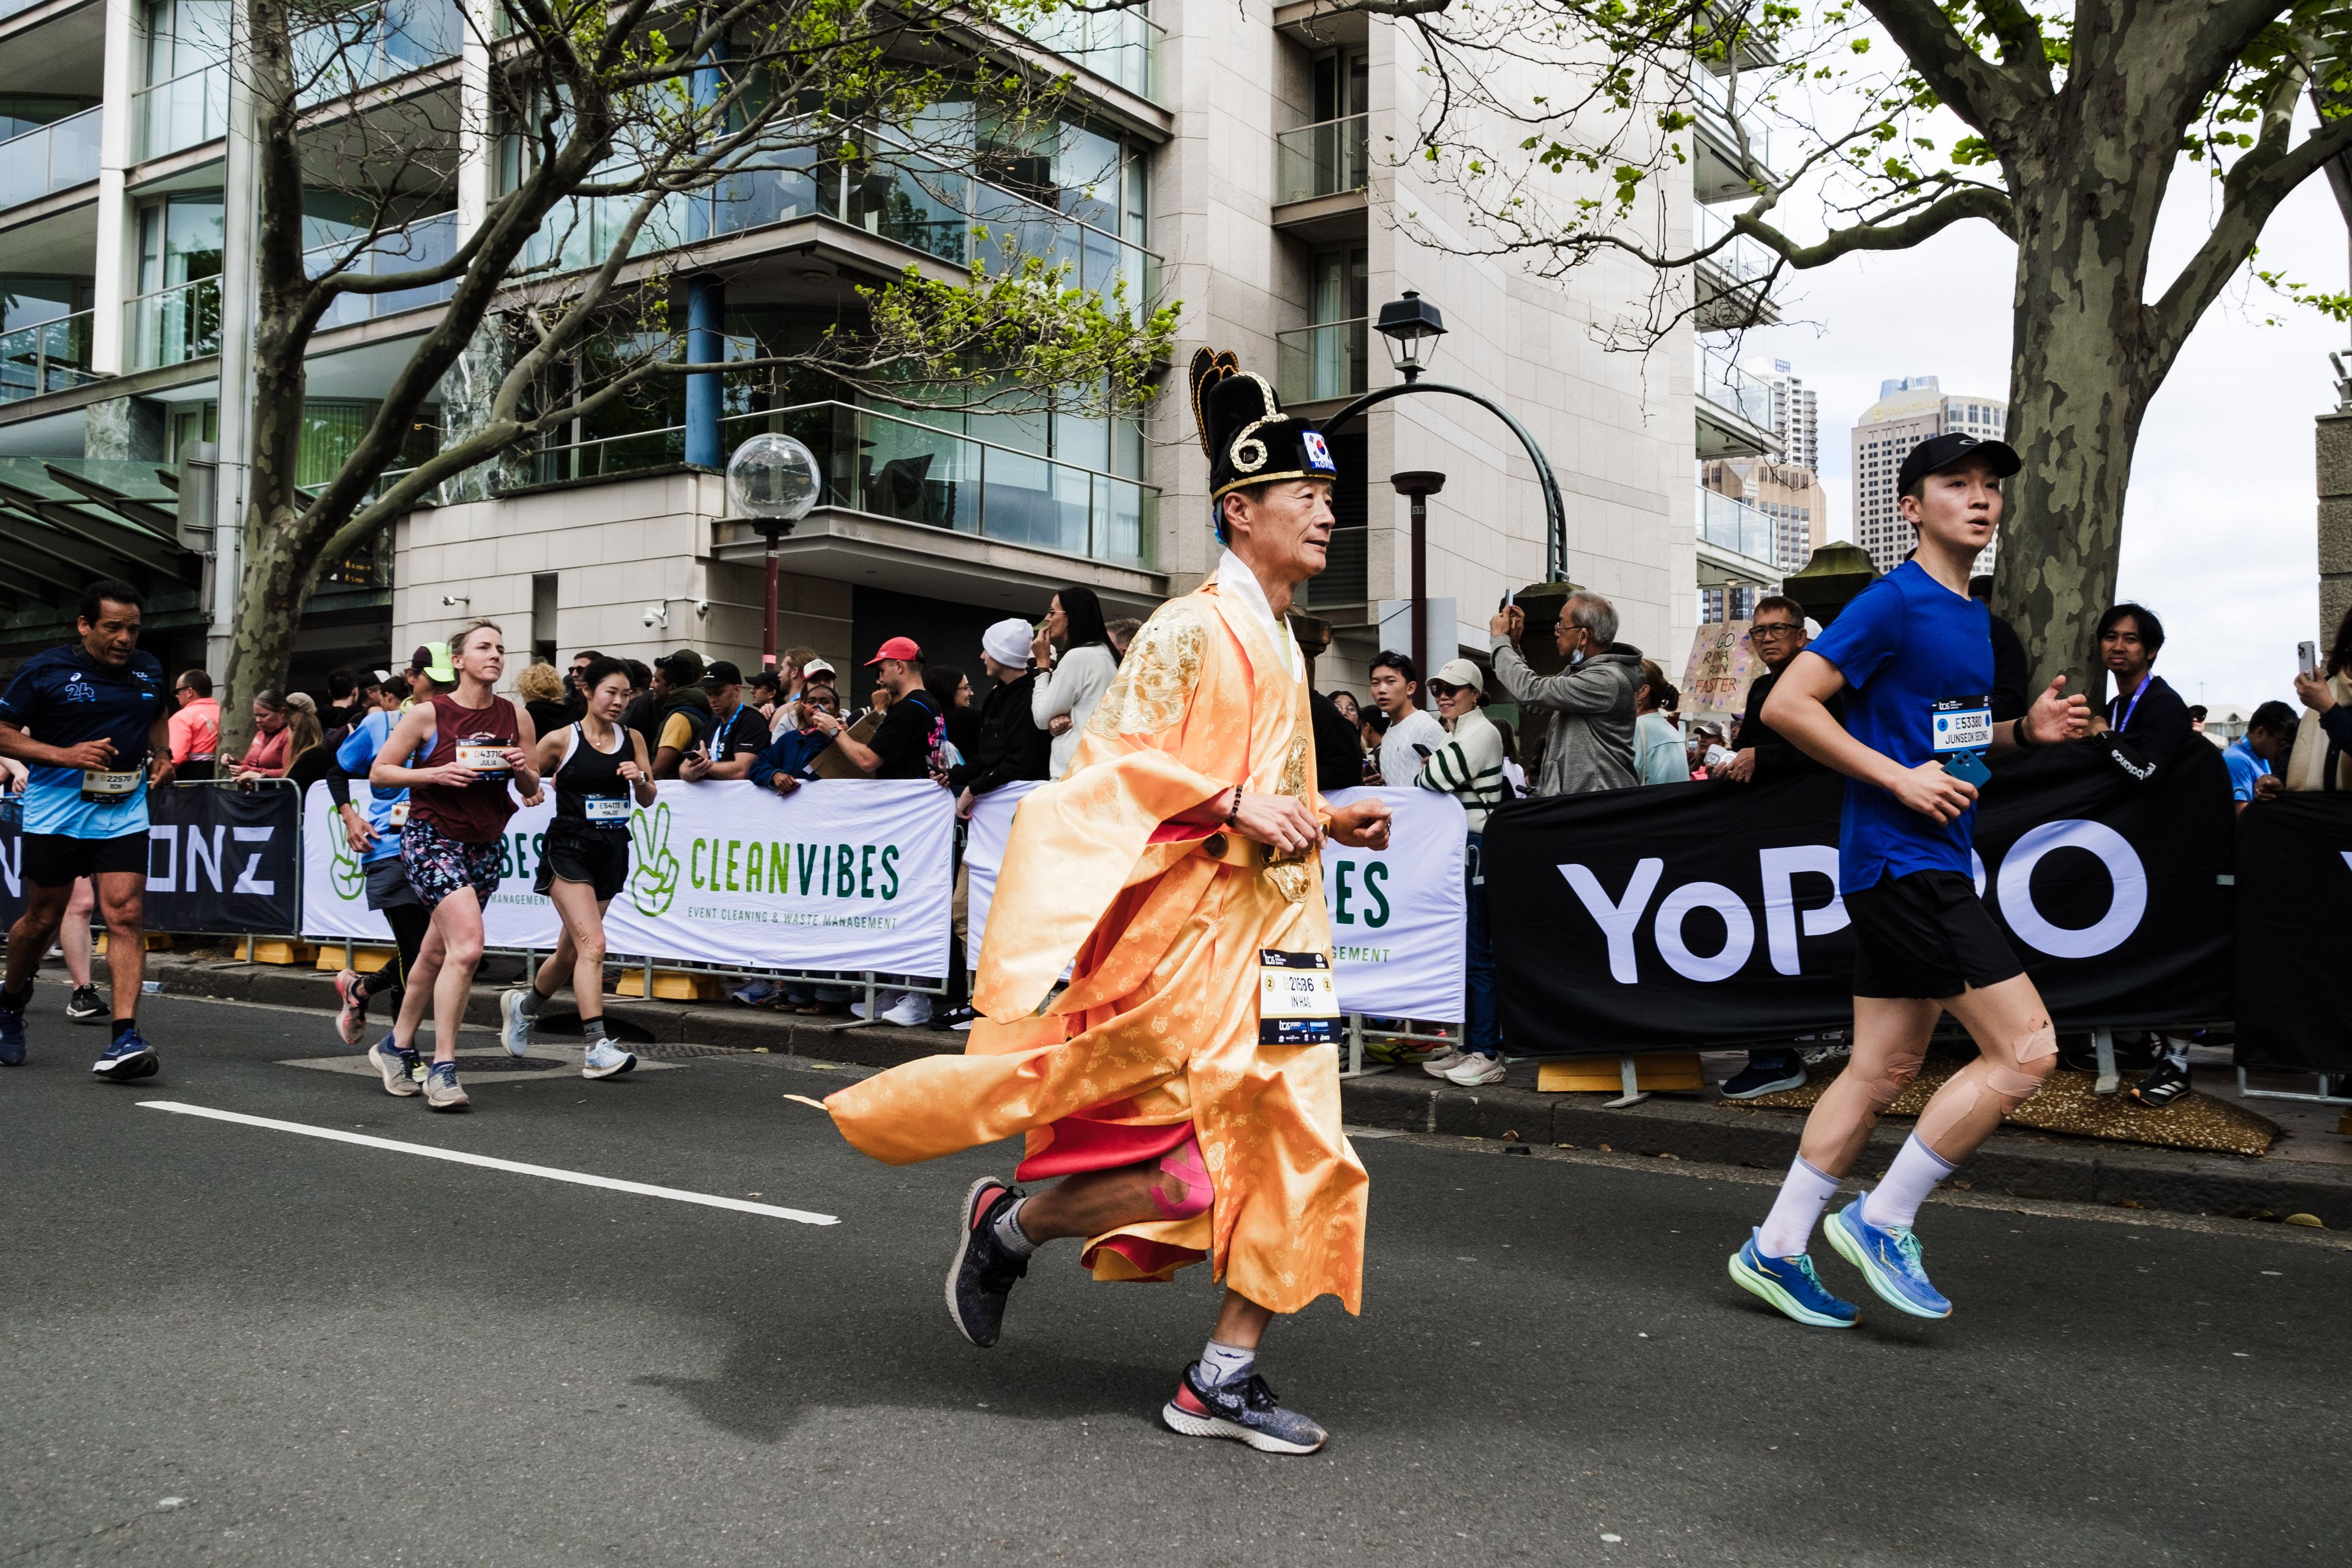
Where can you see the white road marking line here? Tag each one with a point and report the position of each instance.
(577, 1178)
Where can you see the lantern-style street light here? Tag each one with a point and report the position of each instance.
(1412, 326)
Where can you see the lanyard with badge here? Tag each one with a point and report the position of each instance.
(1963, 729)
(2138, 692)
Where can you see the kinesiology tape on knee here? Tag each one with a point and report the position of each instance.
(1184, 1163)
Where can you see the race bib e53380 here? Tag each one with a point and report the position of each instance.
(1963, 724)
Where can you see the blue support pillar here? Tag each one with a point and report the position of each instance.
(705, 320)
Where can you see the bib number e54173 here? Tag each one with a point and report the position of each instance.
(1297, 1000)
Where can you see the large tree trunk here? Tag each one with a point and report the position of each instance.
(278, 582)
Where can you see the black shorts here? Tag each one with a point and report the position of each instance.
(597, 856)
(1926, 935)
(58, 859)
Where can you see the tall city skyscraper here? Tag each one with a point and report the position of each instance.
(1908, 411)
(1795, 418)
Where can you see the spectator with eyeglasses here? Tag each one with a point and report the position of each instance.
(195, 726)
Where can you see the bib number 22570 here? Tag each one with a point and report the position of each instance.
(1298, 1002)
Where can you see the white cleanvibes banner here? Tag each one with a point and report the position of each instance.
(1397, 917)
(849, 875)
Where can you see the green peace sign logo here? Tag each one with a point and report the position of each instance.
(653, 878)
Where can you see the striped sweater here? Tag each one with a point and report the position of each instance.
(1469, 767)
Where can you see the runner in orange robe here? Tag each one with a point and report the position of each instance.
(1174, 871)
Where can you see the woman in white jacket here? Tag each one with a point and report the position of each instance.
(1066, 689)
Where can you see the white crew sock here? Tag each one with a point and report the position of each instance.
(1787, 1230)
(2175, 1050)
(1914, 1175)
(1224, 1363)
(1009, 1233)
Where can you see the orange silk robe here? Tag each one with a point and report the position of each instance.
(1160, 1023)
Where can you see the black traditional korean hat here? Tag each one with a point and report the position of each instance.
(1248, 438)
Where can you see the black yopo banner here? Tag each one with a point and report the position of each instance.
(224, 861)
(2294, 905)
(1710, 912)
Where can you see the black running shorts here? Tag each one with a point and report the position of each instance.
(1926, 935)
(58, 859)
(597, 856)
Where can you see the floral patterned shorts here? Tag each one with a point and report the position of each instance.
(439, 865)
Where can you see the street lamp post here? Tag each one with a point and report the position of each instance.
(772, 480)
(1420, 487)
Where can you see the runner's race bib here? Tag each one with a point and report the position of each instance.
(1963, 724)
(111, 788)
(607, 810)
(1297, 1000)
(482, 757)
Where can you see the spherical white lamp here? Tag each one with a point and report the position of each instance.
(773, 476)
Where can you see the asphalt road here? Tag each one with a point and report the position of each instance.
(226, 1344)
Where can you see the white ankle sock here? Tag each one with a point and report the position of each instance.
(1916, 1171)
(1224, 1363)
(1787, 1230)
(2175, 1050)
(1009, 1233)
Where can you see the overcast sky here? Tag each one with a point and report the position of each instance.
(2218, 532)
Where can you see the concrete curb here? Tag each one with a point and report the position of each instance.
(2020, 1163)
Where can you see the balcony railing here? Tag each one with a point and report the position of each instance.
(1730, 523)
(365, 48)
(425, 243)
(50, 357)
(1122, 46)
(891, 467)
(1714, 102)
(54, 157)
(10, 8)
(1734, 390)
(188, 111)
(1743, 260)
(172, 326)
(1320, 160)
(1315, 362)
(914, 200)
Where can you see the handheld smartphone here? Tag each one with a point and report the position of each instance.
(2306, 657)
(1969, 768)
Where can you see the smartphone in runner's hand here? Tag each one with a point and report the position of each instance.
(1969, 768)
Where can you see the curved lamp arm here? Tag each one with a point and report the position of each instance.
(1555, 513)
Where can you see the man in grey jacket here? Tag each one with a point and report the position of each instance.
(1590, 742)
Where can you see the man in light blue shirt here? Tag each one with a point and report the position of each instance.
(2269, 734)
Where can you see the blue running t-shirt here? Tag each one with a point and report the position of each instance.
(63, 698)
(1904, 644)
(355, 756)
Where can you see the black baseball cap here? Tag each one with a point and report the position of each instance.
(722, 672)
(1937, 453)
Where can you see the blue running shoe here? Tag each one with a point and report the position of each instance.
(1791, 1284)
(1246, 1411)
(12, 1037)
(129, 1058)
(1888, 1256)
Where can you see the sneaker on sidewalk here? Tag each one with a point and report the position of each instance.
(2163, 1084)
(127, 1058)
(1767, 1072)
(755, 993)
(350, 1019)
(514, 1024)
(84, 1006)
(1790, 1284)
(605, 1059)
(982, 1275)
(1475, 1070)
(399, 1067)
(1444, 1061)
(12, 1037)
(1888, 1256)
(441, 1091)
(912, 1010)
(1244, 1410)
(958, 1017)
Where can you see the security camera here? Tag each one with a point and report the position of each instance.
(451, 601)
(657, 615)
(701, 607)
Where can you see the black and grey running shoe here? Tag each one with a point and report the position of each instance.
(1246, 1411)
(85, 1006)
(2162, 1085)
(980, 1279)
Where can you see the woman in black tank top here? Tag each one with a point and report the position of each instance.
(599, 772)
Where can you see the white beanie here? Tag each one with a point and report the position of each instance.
(1007, 642)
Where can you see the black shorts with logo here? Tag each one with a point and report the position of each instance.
(1926, 935)
(59, 859)
(598, 857)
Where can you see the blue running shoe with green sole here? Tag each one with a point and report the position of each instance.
(1791, 1284)
(1888, 1256)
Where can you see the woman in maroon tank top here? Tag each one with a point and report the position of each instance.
(475, 745)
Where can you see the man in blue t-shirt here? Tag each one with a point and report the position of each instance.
(1913, 657)
(2269, 737)
(91, 721)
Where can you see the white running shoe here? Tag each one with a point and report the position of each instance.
(514, 1027)
(1475, 1069)
(1443, 1062)
(911, 1011)
(605, 1059)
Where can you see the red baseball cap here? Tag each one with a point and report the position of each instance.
(900, 649)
